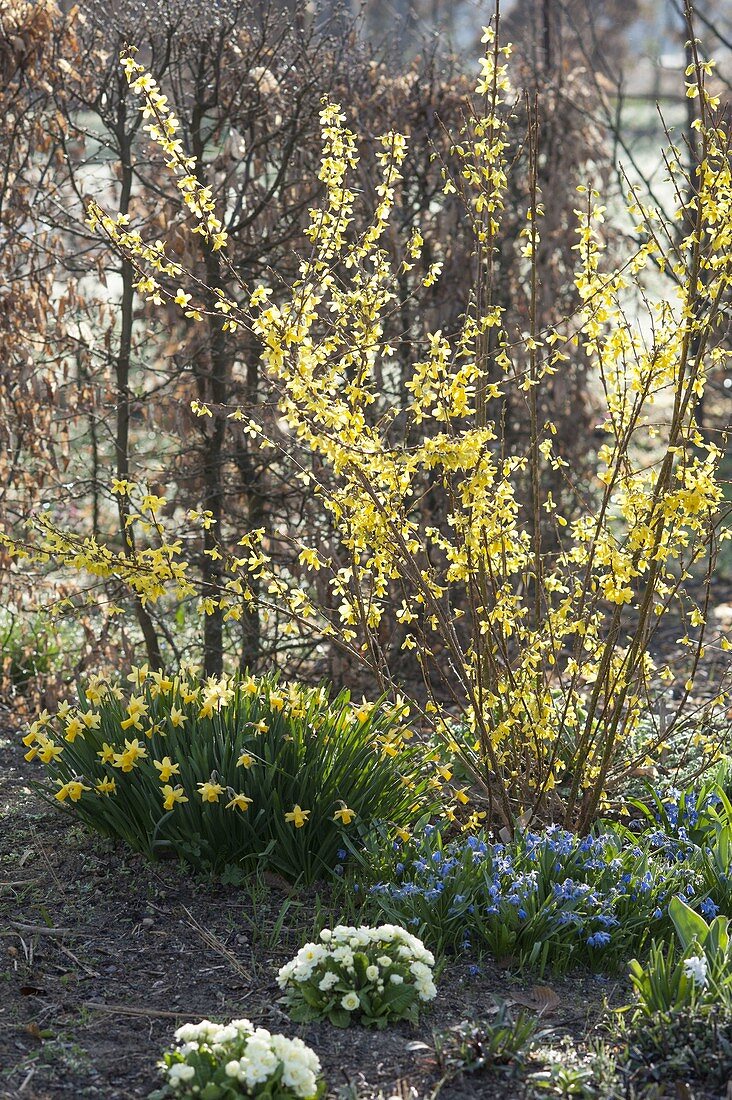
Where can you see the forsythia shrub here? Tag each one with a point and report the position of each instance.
(232, 771)
(535, 620)
(375, 975)
(237, 1059)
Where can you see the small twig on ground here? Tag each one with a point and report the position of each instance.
(87, 969)
(27, 1079)
(216, 945)
(37, 929)
(139, 1010)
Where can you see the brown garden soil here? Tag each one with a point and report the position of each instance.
(104, 954)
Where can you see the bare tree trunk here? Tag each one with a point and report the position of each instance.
(122, 373)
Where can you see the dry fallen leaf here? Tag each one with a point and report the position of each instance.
(541, 999)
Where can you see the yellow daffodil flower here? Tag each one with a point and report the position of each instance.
(240, 801)
(126, 760)
(73, 790)
(166, 767)
(106, 753)
(171, 795)
(73, 728)
(210, 792)
(297, 816)
(49, 751)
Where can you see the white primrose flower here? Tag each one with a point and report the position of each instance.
(250, 1056)
(426, 991)
(243, 1027)
(180, 1071)
(420, 971)
(344, 955)
(226, 1034)
(695, 968)
(391, 954)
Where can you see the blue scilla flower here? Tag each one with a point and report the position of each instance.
(399, 868)
(342, 854)
(566, 916)
(672, 812)
(599, 939)
(708, 909)
(473, 970)
(436, 857)
(657, 914)
(521, 913)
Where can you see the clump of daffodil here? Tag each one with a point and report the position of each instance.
(230, 772)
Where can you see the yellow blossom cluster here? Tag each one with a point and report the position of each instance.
(535, 620)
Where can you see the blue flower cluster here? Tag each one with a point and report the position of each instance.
(548, 897)
(688, 816)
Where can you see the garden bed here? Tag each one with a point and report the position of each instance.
(105, 954)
